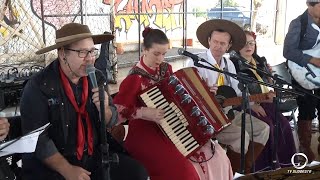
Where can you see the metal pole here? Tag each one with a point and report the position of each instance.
(81, 11)
(185, 22)
(139, 28)
(42, 21)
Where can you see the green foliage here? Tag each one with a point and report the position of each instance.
(198, 12)
(227, 3)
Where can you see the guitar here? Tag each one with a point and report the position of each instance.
(308, 77)
(227, 97)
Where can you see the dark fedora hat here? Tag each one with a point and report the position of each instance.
(238, 37)
(74, 32)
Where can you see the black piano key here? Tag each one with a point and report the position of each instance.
(180, 130)
(160, 102)
(154, 97)
(172, 120)
(152, 92)
(184, 139)
(176, 126)
(187, 146)
(191, 147)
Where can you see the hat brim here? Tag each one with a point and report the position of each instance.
(237, 34)
(97, 39)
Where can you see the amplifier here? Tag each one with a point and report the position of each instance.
(10, 93)
(12, 80)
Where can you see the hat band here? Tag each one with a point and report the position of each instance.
(67, 38)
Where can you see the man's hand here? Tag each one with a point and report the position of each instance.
(213, 89)
(70, 172)
(95, 98)
(77, 173)
(4, 128)
(315, 61)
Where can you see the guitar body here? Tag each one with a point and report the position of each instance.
(227, 96)
(303, 75)
(225, 92)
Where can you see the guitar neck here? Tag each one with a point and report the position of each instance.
(238, 100)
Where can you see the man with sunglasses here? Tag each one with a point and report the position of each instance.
(62, 96)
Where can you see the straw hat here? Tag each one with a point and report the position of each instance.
(238, 37)
(74, 32)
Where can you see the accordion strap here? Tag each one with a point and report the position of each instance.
(139, 71)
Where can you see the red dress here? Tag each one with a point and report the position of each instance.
(145, 141)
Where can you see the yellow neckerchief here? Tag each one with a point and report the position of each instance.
(220, 80)
(264, 89)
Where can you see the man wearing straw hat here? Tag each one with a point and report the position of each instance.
(62, 95)
(221, 36)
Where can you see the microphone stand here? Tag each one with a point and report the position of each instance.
(243, 81)
(104, 146)
(243, 86)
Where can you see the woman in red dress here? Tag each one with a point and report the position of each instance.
(145, 140)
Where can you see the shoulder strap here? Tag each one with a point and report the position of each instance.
(163, 69)
(304, 24)
(226, 69)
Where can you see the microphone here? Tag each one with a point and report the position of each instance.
(90, 69)
(264, 63)
(181, 51)
(234, 55)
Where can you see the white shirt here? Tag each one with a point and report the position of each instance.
(212, 76)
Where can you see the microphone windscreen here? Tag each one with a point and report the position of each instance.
(233, 54)
(90, 68)
(180, 51)
(101, 79)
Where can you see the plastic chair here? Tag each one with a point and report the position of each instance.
(288, 106)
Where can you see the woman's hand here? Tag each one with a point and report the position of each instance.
(152, 114)
(270, 97)
(258, 110)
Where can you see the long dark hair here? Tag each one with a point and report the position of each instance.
(151, 36)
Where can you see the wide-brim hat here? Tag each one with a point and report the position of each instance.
(238, 36)
(74, 32)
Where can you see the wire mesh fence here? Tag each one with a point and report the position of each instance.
(26, 26)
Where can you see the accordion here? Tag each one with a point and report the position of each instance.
(192, 115)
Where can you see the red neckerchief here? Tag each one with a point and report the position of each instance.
(82, 112)
(148, 69)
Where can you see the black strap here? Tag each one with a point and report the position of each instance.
(226, 69)
(304, 24)
(163, 69)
